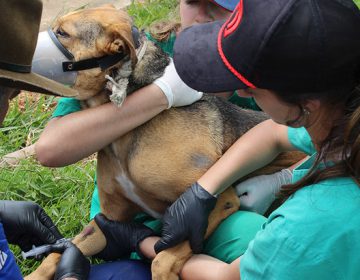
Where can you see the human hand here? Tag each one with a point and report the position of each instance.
(176, 91)
(73, 264)
(121, 238)
(26, 224)
(187, 218)
(258, 193)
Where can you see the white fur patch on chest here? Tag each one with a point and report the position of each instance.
(129, 190)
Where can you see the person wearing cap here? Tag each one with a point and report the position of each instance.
(25, 223)
(300, 60)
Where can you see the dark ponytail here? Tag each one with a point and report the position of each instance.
(351, 150)
(342, 145)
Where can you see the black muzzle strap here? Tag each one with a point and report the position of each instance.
(103, 62)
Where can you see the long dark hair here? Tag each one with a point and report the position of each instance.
(343, 141)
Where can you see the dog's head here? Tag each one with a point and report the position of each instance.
(95, 33)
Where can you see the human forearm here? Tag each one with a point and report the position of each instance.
(73, 137)
(200, 267)
(256, 148)
(147, 247)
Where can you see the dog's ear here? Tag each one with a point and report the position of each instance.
(122, 40)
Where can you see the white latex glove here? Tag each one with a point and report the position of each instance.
(258, 193)
(176, 91)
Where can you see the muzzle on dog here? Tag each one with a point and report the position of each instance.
(54, 61)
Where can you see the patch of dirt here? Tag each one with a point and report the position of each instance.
(55, 8)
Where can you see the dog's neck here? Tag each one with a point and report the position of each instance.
(119, 85)
(126, 79)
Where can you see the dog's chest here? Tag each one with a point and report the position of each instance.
(128, 186)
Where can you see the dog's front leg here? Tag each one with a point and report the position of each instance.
(90, 242)
(168, 263)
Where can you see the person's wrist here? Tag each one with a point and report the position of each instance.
(202, 193)
(166, 92)
(146, 247)
(211, 189)
(161, 97)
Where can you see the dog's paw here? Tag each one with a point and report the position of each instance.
(168, 263)
(161, 270)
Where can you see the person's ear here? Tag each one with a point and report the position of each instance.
(312, 105)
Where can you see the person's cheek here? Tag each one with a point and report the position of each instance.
(221, 15)
(187, 15)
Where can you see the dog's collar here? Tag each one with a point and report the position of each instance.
(140, 51)
(103, 62)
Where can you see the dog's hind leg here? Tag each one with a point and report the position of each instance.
(90, 242)
(168, 263)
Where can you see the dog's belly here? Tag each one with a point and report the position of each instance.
(128, 188)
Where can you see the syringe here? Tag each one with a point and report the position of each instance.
(37, 251)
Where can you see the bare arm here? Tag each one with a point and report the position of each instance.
(198, 266)
(256, 148)
(203, 267)
(71, 138)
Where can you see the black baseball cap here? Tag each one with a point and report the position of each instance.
(283, 45)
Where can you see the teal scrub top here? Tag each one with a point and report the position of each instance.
(313, 235)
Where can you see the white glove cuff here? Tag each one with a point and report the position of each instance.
(285, 177)
(166, 89)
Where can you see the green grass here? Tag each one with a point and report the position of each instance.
(64, 193)
(149, 11)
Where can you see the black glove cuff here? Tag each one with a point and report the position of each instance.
(204, 195)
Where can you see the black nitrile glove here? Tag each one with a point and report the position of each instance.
(26, 224)
(187, 218)
(121, 238)
(73, 264)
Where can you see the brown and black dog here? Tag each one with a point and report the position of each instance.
(148, 168)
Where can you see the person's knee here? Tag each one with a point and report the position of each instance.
(121, 270)
(232, 237)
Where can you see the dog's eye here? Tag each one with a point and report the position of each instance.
(62, 33)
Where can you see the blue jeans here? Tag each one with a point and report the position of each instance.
(121, 270)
